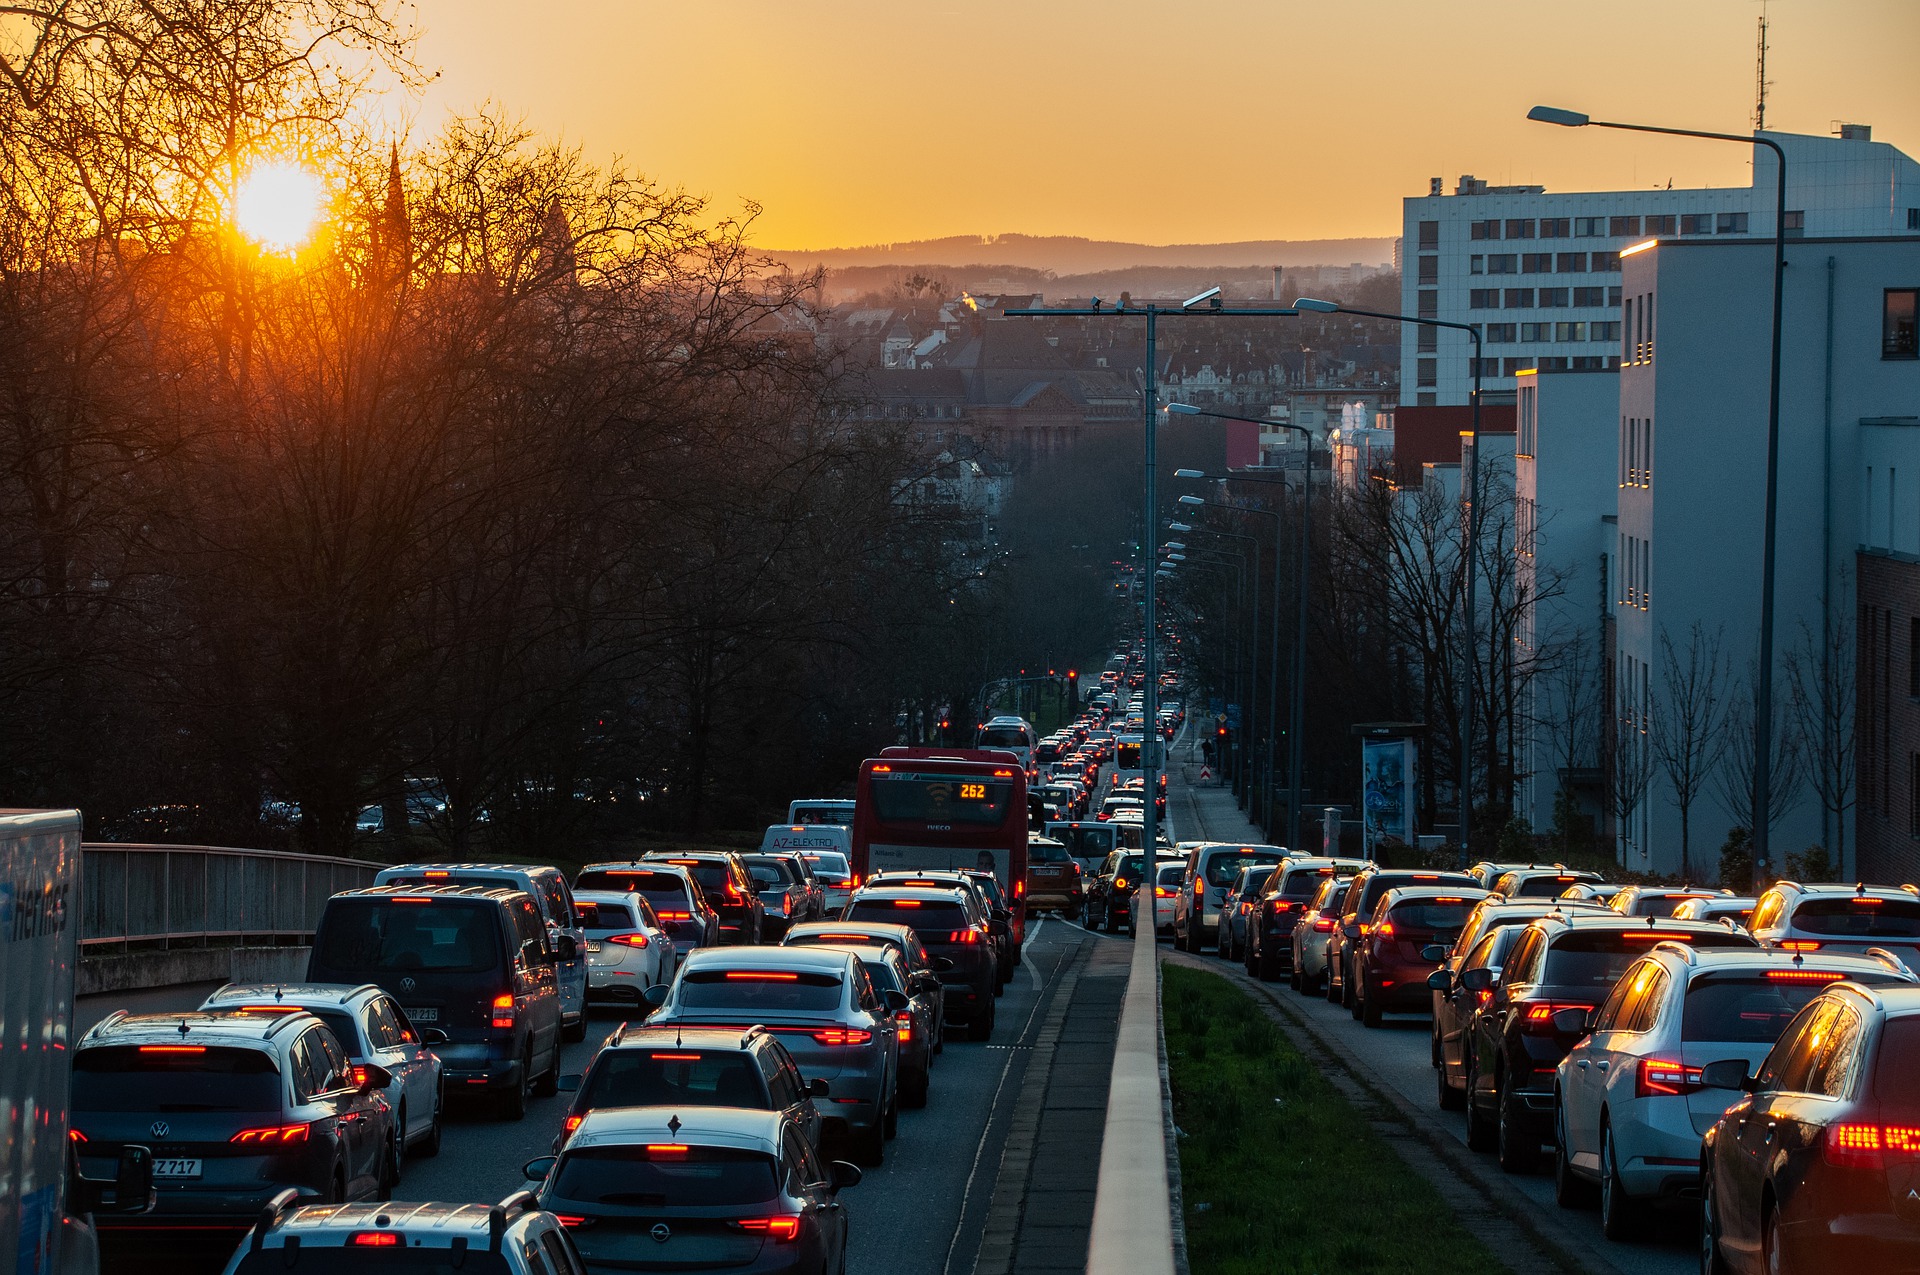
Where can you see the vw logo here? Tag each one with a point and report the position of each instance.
(161, 1129)
(406, 984)
(661, 1233)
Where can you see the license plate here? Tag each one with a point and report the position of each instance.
(592, 947)
(176, 1168)
(424, 1015)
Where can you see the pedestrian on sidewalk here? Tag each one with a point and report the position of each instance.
(1206, 753)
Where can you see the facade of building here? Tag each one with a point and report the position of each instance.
(1886, 663)
(1539, 272)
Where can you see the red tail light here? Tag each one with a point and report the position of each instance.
(503, 1010)
(573, 1122)
(666, 1150)
(841, 1036)
(74, 1135)
(627, 940)
(1323, 924)
(1800, 945)
(1539, 1020)
(279, 1135)
(674, 916)
(904, 1021)
(569, 1219)
(1383, 930)
(375, 1239)
(780, 1229)
(964, 936)
(1161, 892)
(733, 894)
(1869, 1146)
(1662, 1076)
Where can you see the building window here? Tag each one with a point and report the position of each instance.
(1483, 367)
(1428, 341)
(1589, 227)
(1427, 371)
(1553, 298)
(1899, 339)
(1500, 334)
(1573, 263)
(1661, 225)
(1503, 263)
(1536, 332)
(1476, 264)
(1621, 226)
(1731, 224)
(1913, 658)
(1569, 331)
(1603, 331)
(1794, 225)
(1696, 223)
(1519, 299)
(1536, 263)
(1606, 262)
(1429, 234)
(1555, 227)
(1516, 366)
(1429, 303)
(1589, 296)
(1483, 230)
(1483, 298)
(1429, 399)
(1613, 296)
(1589, 363)
(1429, 269)
(1913, 219)
(1520, 228)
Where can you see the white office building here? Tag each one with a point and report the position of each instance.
(1539, 272)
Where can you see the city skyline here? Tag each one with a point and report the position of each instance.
(910, 125)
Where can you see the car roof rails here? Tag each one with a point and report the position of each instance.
(501, 1213)
(1682, 950)
(758, 1029)
(1890, 960)
(270, 1215)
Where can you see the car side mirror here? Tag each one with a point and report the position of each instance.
(1351, 930)
(370, 1076)
(1440, 981)
(537, 1169)
(656, 995)
(942, 962)
(1434, 952)
(998, 928)
(818, 1088)
(1477, 980)
(844, 1175)
(1728, 1073)
(896, 1001)
(570, 1083)
(569, 950)
(1572, 1021)
(433, 1036)
(131, 1185)
(1001, 914)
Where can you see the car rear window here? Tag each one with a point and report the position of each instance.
(1859, 917)
(1597, 958)
(768, 871)
(1301, 884)
(1755, 1008)
(674, 1077)
(883, 977)
(1046, 852)
(664, 1176)
(1381, 882)
(175, 1078)
(1224, 867)
(925, 916)
(1660, 905)
(830, 863)
(400, 935)
(604, 916)
(337, 1259)
(1896, 1073)
(759, 989)
(712, 876)
(1545, 887)
(1430, 915)
(662, 889)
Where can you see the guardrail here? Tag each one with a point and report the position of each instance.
(191, 894)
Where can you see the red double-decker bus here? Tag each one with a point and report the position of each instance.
(952, 808)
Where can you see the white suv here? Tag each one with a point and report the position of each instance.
(1629, 1108)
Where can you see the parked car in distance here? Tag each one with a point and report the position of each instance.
(372, 1027)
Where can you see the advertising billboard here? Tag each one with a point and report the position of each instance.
(1386, 792)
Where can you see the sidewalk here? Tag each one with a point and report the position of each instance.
(1203, 810)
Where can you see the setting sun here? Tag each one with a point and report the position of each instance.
(277, 205)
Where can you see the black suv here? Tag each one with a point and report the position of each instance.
(730, 889)
(642, 1066)
(1517, 1037)
(950, 922)
(237, 1107)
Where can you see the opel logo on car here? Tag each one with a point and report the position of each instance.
(661, 1233)
(161, 1129)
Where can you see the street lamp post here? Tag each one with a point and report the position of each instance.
(1296, 712)
(1253, 660)
(1469, 546)
(1150, 741)
(1763, 687)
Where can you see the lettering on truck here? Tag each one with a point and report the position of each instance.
(803, 841)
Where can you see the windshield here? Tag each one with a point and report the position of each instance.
(758, 989)
(673, 1077)
(1859, 917)
(1222, 867)
(1047, 851)
(958, 800)
(370, 936)
(1660, 904)
(156, 1078)
(1301, 885)
(666, 1176)
(1126, 756)
(1085, 843)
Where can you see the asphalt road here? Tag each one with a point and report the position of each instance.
(920, 1213)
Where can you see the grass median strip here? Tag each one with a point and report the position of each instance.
(1279, 1172)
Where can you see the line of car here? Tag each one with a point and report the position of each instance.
(1662, 1052)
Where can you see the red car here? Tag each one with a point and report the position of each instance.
(1391, 965)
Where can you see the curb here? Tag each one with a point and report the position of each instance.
(1133, 1217)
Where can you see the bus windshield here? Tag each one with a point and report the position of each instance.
(931, 798)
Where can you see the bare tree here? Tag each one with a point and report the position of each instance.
(1629, 763)
(1569, 702)
(1733, 777)
(1820, 671)
(1687, 719)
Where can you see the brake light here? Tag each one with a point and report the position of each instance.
(436, 872)
(733, 893)
(1862, 901)
(359, 1075)
(375, 1239)
(279, 1135)
(627, 940)
(503, 1010)
(272, 1009)
(1383, 930)
(781, 1229)
(842, 1036)
(569, 1219)
(1661, 1076)
(964, 936)
(1161, 892)
(906, 903)
(1323, 924)
(173, 1049)
(666, 1150)
(409, 899)
(904, 1021)
(74, 1135)
(1803, 976)
(573, 1122)
(880, 770)
(761, 976)
(674, 916)
(1800, 945)
(1540, 1014)
(1867, 1146)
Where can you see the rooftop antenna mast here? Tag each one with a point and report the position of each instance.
(1760, 76)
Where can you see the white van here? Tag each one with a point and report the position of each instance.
(821, 810)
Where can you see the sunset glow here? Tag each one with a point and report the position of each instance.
(278, 205)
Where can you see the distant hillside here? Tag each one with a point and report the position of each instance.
(1070, 255)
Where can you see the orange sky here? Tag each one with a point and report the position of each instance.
(859, 122)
